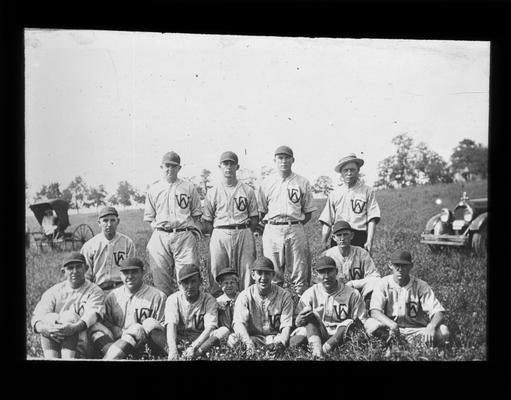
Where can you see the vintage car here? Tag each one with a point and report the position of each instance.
(465, 226)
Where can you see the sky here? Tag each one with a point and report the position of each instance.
(107, 105)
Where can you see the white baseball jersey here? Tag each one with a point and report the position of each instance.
(225, 310)
(264, 315)
(285, 199)
(124, 309)
(226, 205)
(103, 257)
(356, 205)
(411, 306)
(345, 303)
(191, 318)
(87, 301)
(172, 205)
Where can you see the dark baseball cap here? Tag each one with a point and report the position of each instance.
(340, 225)
(325, 262)
(229, 156)
(225, 271)
(284, 150)
(187, 271)
(171, 158)
(131, 263)
(401, 257)
(349, 158)
(263, 264)
(74, 257)
(107, 210)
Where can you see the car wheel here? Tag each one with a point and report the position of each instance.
(479, 242)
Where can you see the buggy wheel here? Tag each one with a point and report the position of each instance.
(80, 235)
(479, 242)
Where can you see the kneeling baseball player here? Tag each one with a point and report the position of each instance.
(66, 311)
(228, 280)
(326, 311)
(134, 315)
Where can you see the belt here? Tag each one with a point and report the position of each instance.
(239, 226)
(170, 230)
(110, 285)
(284, 223)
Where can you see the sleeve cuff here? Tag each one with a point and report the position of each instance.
(89, 317)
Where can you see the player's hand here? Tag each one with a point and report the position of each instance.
(189, 352)
(394, 331)
(303, 317)
(55, 334)
(66, 329)
(429, 335)
(369, 247)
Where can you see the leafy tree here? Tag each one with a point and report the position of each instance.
(125, 193)
(139, 197)
(266, 171)
(204, 185)
(96, 196)
(323, 185)
(470, 160)
(79, 190)
(52, 191)
(113, 200)
(247, 176)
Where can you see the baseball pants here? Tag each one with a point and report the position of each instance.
(288, 248)
(168, 252)
(372, 325)
(231, 248)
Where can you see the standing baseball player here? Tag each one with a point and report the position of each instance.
(230, 211)
(326, 311)
(104, 252)
(285, 205)
(173, 208)
(404, 305)
(134, 315)
(263, 312)
(66, 311)
(353, 201)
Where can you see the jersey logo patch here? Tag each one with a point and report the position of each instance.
(358, 206)
(274, 322)
(241, 203)
(143, 313)
(294, 195)
(119, 256)
(412, 309)
(78, 308)
(341, 310)
(183, 200)
(198, 321)
(356, 273)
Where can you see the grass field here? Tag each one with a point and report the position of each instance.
(458, 278)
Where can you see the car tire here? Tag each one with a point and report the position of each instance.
(479, 242)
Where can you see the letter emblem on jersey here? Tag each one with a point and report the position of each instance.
(274, 322)
(119, 256)
(412, 309)
(294, 195)
(198, 321)
(143, 313)
(182, 200)
(358, 206)
(356, 273)
(241, 203)
(78, 308)
(341, 310)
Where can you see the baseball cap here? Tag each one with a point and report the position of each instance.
(349, 158)
(325, 262)
(107, 210)
(229, 156)
(263, 264)
(131, 263)
(187, 271)
(340, 225)
(74, 257)
(401, 257)
(225, 271)
(171, 158)
(284, 150)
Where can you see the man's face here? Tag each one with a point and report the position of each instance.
(170, 171)
(262, 279)
(401, 272)
(284, 162)
(343, 237)
(328, 278)
(190, 287)
(108, 225)
(349, 173)
(132, 278)
(229, 285)
(228, 169)
(75, 274)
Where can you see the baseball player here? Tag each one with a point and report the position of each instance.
(106, 250)
(191, 315)
(355, 266)
(173, 209)
(263, 312)
(228, 280)
(285, 205)
(66, 311)
(353, 201)
(326, 311)
(230, 211)
(406, 306)
(134, 315)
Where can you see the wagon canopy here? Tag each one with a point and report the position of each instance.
(59, 206)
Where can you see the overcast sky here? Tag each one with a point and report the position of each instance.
(107, 105)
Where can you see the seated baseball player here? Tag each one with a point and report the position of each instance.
(227, 279)
(355, 266)
(326, 311)
(263, 312)
(191, 315)
(66, 311)
(134, 315)
(404, 305)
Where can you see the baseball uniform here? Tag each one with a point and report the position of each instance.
(170, 207)
(225, 314)
(411, 306)
(232, 244)
(285, 201)
(264, 317)
(356, 205)
(103, 257)
(357, 269)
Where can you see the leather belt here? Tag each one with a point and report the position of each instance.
(171, 230)
(284, 223)
(239, 226)
(110, 285)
